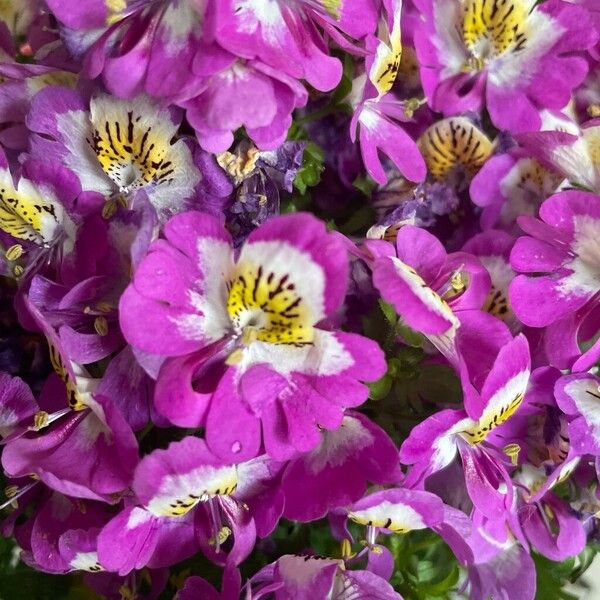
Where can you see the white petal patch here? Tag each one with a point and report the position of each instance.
(424, 293)
(575, 161)
(260, 14)
(336, 446)
(90, 429)
(179, 22)
(586, 396)
(444, 446)
(396, 517)
(585, 266)
(168, 196)
(138, 517)
(448, 41)
(302, 570)
(325, 356)
(179, 493)
(76, 131)
(86, 561)
(211, 321)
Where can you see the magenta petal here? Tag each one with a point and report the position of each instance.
(177, 396)
(405, 293)
(232, 431)
(127, 542)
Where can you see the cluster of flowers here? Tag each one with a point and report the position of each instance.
(188, 360)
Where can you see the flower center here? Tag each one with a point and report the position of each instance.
(132, 151)
(491, 28)
(265, 306)
(180, 493)
(454, 146)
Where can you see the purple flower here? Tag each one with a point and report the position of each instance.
(283, 36)
(439, 295)
(75, 442)
(571, 153)
(577, 396)
(246, 94)
(142, 46)
(336, 472)
(308, 577)
(493, 248)
(259, 177)
(398, 204)
(562, 248)
(434, 443)
(400, 510)
(516, 59)
(508, 575)
(251, 326)
(510, 185)
(550, 525)
(116, 147)
(35, 212)
(188, 498)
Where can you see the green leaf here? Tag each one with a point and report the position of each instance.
(365, 185)
(389, 311)
(410, 336)
(381, 388)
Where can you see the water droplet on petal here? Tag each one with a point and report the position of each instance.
(236, 447)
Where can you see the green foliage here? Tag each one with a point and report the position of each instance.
(20, 582)
(562, 580)
(425, 569)
(312, 167)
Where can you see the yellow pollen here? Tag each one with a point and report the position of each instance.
(346, 549)
(593, 110)
(221, 537)
(235, 358)
(10, 491)
(411, 106)
(332, 7)
(127, 593)
(109, 209)
(101, 326)
(512, 451)
(40, 420)
(18, 270)
(239, 166)
(14, 252)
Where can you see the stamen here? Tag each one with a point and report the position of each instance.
(14, 252)
(593, 110)
(412, 105)
(217, 525)
(13, 493)
(101, 326)
(109, 209)
(42, 419)
(346, 549)
(512, 451)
